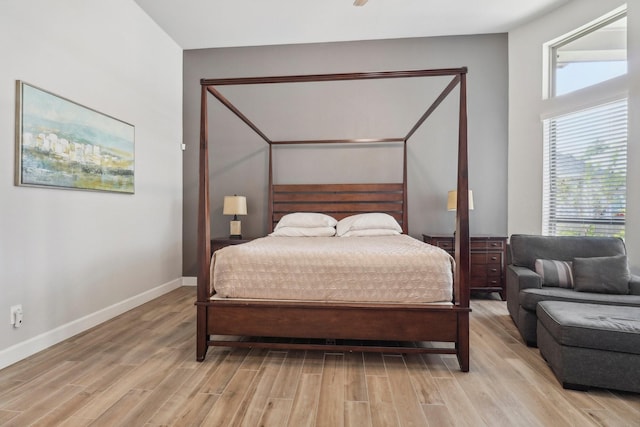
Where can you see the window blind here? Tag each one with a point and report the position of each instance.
(585, 172)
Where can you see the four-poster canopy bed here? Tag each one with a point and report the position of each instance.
(372, 322)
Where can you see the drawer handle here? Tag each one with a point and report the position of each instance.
(494, 244)
(494, 258)
(493, 270)
(493, 282)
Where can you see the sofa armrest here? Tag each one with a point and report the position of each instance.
(634, 285)
(519, 278)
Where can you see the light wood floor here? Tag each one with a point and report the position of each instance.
(140, 369)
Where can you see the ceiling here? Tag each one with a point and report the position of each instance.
(197, 24)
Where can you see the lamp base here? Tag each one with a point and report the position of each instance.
(235, 228)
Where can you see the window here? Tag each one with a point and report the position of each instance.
(589, 56)
(585, 134)
(585, 172)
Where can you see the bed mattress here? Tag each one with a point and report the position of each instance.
(387, 269)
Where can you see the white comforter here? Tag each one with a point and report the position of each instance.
(363, 269)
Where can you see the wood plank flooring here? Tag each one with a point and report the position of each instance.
(140, 370)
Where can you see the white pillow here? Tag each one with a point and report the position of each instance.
(366, 221)
(304, 232)
(306, 219)
(371, 232)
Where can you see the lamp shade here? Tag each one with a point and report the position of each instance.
(234, 205)
(452, 200)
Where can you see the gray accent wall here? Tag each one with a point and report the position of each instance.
(374, 109)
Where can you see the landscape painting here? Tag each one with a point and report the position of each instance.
(62, 144)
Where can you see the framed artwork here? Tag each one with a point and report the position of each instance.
(62, 144)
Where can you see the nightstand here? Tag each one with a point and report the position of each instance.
(488, 258)
(221, 242)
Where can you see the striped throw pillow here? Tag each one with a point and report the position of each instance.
(555, 273)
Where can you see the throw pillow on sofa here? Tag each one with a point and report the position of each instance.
(555, 273)
(607, 275)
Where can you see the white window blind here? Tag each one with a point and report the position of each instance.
(585, 172)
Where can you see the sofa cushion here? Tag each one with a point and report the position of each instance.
(555, 273)
(608, 275)
(595, 326)
(634, 285)
(525, 248)
(529, 298)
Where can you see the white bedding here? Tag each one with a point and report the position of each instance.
(361, 269)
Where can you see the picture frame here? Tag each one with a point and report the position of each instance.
(65, 145)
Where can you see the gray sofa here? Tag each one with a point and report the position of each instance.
(526, 288)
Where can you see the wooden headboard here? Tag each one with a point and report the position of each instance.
(339, 200)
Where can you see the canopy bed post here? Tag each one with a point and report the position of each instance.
(270, 212)
(462, 231)
(405, 208)
(204, 233)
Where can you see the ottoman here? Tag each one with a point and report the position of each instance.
(591, 345)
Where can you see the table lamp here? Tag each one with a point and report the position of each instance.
(235, 205)
(452, 200)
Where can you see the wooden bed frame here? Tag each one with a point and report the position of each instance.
(363, 326)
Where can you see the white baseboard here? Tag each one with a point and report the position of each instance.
(38, 343)
(189, 281)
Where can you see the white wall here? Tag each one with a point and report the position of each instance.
(526, 105)
(633, 173)
(75, 258)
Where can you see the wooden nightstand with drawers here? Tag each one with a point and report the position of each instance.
(488, 260)
(221, 242)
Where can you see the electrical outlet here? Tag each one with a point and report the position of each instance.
(16, 315)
